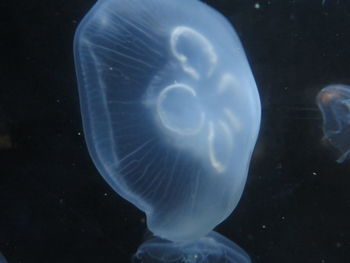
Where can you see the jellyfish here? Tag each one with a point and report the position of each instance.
(170, 110)
(213, 248)
(334, 104)
(2, 258)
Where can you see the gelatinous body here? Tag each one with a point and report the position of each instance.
(334, 103)
(170, 109)
(212, 248)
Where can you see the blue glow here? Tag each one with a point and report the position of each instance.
(170, 110)
(213, 248)
(334, 103)
(2, 258)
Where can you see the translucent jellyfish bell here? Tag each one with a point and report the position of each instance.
(212, 248)
(170, 109)
(334, 103)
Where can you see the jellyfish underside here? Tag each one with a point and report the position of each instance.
(170, 110)
(212, 248)
(334, 103)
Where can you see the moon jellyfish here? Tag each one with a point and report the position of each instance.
(334, 103)
(213, 248)
(170, 110)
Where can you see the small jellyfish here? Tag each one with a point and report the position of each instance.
(212, 248)
(170, 110)
(334, 103)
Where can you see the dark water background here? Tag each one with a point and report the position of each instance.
(55, 207)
